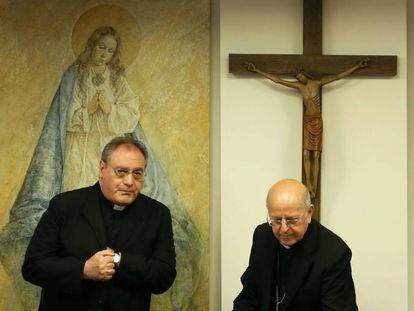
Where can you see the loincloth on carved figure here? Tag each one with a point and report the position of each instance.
(312, 133)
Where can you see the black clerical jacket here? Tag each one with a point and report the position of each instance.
(71, 230)
(319, 276)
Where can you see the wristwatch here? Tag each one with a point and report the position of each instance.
(117, 259)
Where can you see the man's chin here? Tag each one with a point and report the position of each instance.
(124, 199)
(287, 241)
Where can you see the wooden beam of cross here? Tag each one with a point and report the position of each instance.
(316, 70)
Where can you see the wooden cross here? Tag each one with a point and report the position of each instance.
(313, 62)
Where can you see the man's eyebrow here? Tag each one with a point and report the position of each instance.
(121, 168)
(126, 168)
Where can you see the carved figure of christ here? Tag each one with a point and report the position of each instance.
(310, 89)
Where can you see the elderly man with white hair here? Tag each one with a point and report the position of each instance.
(296, 264)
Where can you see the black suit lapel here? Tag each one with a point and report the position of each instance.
(269, 261)
(92, 213)
(302, 262)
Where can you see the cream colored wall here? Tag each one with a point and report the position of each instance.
(410, 110)
(364, 172)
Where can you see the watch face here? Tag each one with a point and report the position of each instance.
(116, 258)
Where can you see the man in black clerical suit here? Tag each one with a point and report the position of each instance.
(105, 247)
(296, 264)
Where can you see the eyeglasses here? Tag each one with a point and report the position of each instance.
(289, 222)
(121, 172)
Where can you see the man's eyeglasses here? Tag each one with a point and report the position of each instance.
(289, 222)
(121, 172)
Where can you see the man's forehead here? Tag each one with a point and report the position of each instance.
(286, 203)
(127, 158)
(285, 211)
(126, 151)
(285, 199)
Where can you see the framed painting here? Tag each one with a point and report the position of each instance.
(153, 85)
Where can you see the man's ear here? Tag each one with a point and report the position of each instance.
(102, 166)
(310, 212)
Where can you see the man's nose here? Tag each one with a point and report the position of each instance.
(128, 179)
(283, 226)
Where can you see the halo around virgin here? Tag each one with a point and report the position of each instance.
(108, 15)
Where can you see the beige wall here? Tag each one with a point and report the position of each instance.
(364, 170)
(410, 110)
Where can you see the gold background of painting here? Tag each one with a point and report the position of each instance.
(170, 75)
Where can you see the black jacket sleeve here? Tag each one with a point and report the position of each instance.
(43, 265)
(156, 272)
(337, 288)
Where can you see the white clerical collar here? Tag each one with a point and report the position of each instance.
(285, 246)
(119, 208)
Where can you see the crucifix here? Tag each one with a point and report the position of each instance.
(312, 70)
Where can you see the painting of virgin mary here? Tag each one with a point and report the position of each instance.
(93, 104)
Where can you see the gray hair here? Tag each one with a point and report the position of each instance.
(122, 140)
(308, 201)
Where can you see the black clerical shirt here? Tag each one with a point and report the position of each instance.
(281, 272)
(112, 220)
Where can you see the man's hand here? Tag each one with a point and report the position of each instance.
(100, 267)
